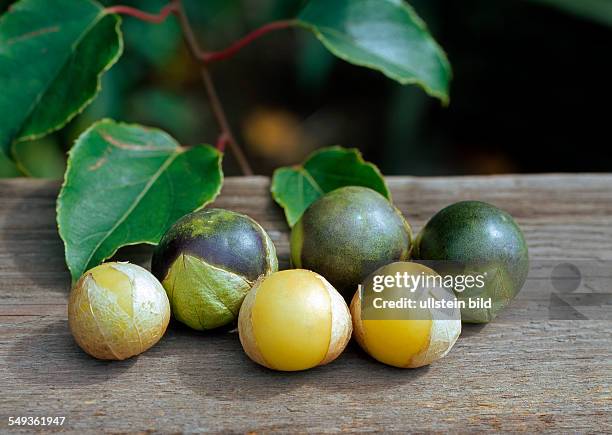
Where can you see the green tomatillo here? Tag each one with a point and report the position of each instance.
(208, 261)
(347, 234)
(473, 238)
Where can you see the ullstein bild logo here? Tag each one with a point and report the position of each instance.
(552, 290)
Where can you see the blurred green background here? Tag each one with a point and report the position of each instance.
(530, 91)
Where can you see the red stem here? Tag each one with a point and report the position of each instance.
(222, 141)
(215, 102)
(226, 138)
(243, 42)
(144, 16)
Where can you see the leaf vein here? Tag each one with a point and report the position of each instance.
(132, 207)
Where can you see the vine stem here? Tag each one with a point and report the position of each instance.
(176, 7)
(221, 142)
(215, 103)
(226, 137)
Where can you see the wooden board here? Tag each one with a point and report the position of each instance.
(524, 372)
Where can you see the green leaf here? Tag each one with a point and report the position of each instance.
(295, 188)
(386, 35)
(597, 10)
(52, 55)
(127, 184)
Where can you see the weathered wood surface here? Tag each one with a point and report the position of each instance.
(523, 372)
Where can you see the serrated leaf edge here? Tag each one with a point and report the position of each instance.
(302, 169)
(12, 154)
(69, 166)
(444, 97)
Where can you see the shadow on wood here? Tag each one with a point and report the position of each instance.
(35, 257)
(219, 357)
(50, 357)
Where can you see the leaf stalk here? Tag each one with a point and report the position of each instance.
(203, 58)
(230, 51)
(141, 15)
(215, 102)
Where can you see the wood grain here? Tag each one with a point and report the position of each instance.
(528, 371)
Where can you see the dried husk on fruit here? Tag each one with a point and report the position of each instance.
(117, 310)
(330, 307)
(208, 261)
(435, 332)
